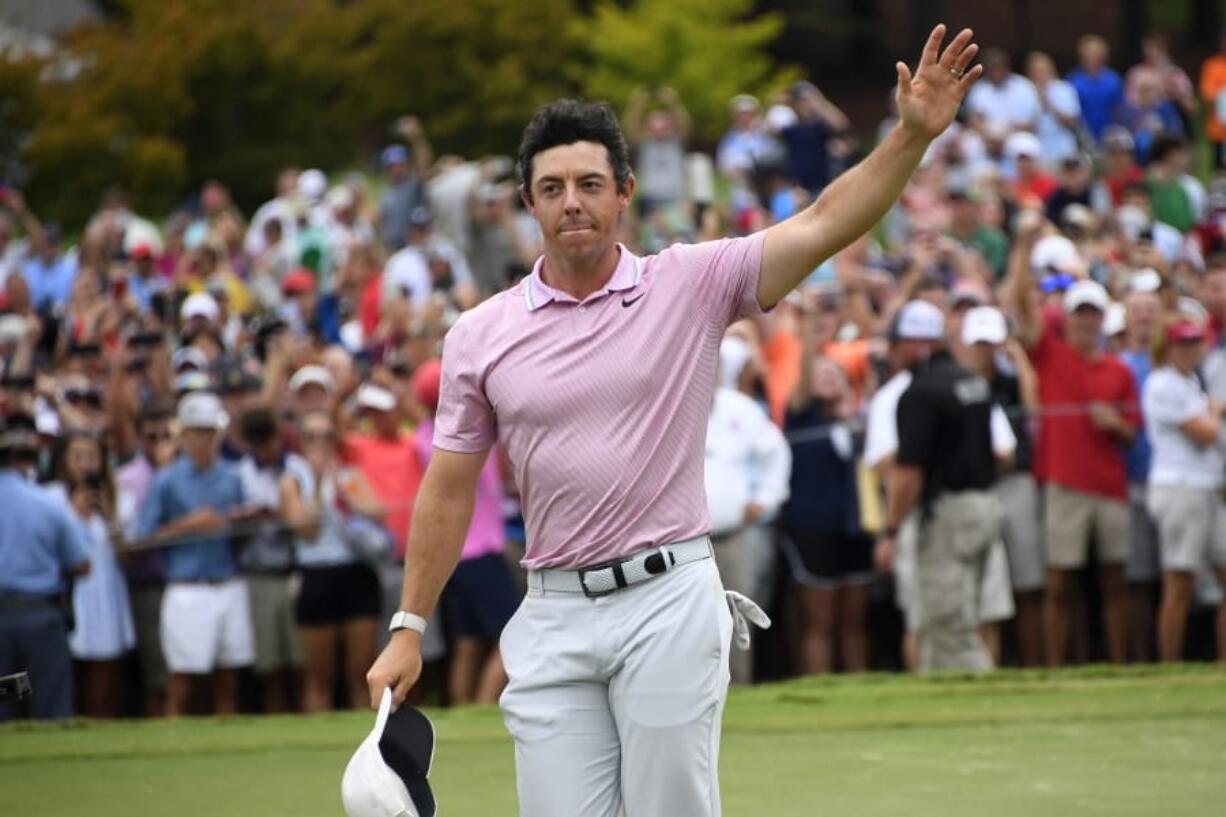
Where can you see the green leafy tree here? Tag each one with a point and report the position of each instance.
(174, 92)
(167, 94)
(707, 50)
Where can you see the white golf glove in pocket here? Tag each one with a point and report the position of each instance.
(745, 611)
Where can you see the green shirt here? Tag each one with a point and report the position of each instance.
(991, 243)
(1171, 204)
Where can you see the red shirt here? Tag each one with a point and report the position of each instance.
(1040, 184)
(394, 472)
(1116, 184)
(1070, 451)
(368, 305)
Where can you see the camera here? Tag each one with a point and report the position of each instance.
(15, 687)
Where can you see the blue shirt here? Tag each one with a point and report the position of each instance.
(808, 157)
(823, 496)
(39, 538)
(1146, 124)
(144, 288)
(179, 489)
(1101, 95)
(1136, 458)
(50, 284)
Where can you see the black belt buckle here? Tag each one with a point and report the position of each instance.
(655, 563)
(619, 578)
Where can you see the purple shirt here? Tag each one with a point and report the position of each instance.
(602, 405)
(487, 532)
(132, 482)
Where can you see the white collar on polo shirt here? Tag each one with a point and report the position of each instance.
(626, 276)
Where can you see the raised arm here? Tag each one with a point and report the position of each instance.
(830, 113)
(853, 203)
(1019, 293)
(295, 510)
(802, 394)
(632, 117)
(681, 117)
(411, 129)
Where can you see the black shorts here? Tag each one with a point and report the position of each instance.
(828, 559)
(480, 598)
(330, 595)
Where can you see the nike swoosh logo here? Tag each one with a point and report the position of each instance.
(632, 301)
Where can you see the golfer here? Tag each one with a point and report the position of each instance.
(596, 374)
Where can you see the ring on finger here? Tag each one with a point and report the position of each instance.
(957, 74)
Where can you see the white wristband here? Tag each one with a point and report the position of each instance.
(407, 621)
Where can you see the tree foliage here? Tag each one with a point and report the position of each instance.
(707, 50)
(169, 93)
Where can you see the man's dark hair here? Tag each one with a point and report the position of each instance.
(1164, 145)
(257, 425)
(567, 121)
(156, 410)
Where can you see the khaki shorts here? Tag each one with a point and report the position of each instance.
(1072, 517)
(954, 547)
(272, 621)
(995, 598)
(1144, 560)
(1019, 494)
(1191, 526)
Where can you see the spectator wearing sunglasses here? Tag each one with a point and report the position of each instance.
(144, 571)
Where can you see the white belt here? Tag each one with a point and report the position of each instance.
(603, 579)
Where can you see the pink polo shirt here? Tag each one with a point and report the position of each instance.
(602, 405)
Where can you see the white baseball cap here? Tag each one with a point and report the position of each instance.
(200, 305)
(386, 777)
(202, 409)
(920, 320)
(1146, 280)
(1116, 319)
(1022, 143)
(374, 396)
(312, 184)
(12, 328)
(1055, 252)
(1086, 293)
(312, 375)
(984, 324)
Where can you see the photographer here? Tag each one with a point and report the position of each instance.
(103, 630)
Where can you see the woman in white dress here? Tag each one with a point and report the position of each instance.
(103, 630)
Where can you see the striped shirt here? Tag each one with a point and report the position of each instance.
(601, 405)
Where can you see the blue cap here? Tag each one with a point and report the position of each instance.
(393, 155)
(1056, 282)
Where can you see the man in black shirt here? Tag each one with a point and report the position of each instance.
(1015, 390)
(946, 465)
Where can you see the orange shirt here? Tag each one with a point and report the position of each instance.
(1213, 82)
(782, 356)
(853, 356)
(394, 472)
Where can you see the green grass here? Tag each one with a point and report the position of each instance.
(1146, 741)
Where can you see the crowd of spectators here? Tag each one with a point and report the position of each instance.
(237, 411)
